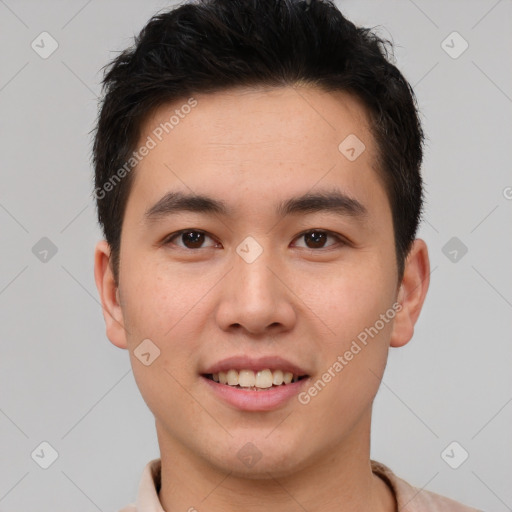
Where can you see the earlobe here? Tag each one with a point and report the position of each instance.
(109, 295)
(412, 293)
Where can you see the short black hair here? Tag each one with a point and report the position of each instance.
(207, 46)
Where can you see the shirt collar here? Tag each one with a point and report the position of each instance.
(149, 487)
(409, 498)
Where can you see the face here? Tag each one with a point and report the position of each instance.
(287, 263)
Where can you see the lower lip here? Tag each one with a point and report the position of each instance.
(247, 400)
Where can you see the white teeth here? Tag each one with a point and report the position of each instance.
(262, 379)
(277, 378)
(246, 378)
(232, 377)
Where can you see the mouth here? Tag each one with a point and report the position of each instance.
(250, 380)
(252, 384)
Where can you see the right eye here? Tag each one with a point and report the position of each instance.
(190, 238)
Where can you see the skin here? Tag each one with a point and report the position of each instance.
(253, 148)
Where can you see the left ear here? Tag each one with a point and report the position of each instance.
(412, 293)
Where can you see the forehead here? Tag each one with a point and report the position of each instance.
(257, 114)
(258, 141)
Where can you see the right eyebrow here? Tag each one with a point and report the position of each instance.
(174, 202)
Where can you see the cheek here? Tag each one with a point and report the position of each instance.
(353, 362)
(359, 309)
(350, 299)
(161, 299)
(166, 310)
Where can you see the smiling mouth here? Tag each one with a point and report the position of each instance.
(255, 381)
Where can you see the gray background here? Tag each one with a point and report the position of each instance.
(61, 381)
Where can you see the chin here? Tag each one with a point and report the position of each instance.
(257, 458)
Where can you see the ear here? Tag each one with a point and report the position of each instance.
(109, 294)
(412, 293)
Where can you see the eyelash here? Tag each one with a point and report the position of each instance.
(340, 240)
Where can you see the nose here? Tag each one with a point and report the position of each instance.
(255, 298)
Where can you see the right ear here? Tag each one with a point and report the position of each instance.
(109, 295)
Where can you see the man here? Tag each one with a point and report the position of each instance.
(258, 183)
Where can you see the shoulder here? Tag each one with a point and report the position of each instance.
(129, 508)
(412, 499)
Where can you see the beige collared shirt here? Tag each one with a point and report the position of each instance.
(409, 498)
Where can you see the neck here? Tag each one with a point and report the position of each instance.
(340, 480)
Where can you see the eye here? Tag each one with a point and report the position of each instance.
(194, 239)
(190, 238)
(316, 239)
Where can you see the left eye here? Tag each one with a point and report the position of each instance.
(317, 238)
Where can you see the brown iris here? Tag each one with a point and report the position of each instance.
(317, 238)
(194, 238)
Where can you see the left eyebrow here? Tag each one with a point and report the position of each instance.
(334, 201)
(330, 201)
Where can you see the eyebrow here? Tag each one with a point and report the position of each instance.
(330, 201)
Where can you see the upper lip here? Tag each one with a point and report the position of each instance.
(255, 364)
